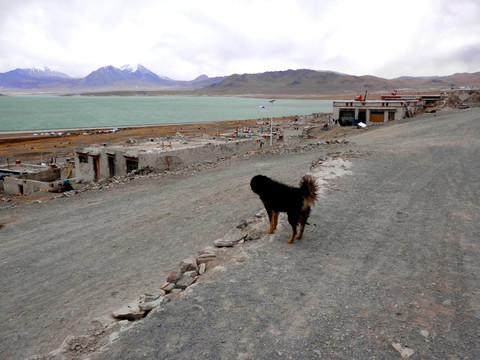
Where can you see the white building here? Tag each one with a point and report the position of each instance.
(349, 112)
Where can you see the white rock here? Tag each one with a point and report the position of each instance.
(425, 333)
(405, 352)
(261, 214)
(152, 295)
(235, 236)
(129, 312)
(147, 306)
(207, 250)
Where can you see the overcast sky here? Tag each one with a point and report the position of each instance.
(183, 39)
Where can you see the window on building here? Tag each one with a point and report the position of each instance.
(83, 158)
(346, 117)
(131, 164)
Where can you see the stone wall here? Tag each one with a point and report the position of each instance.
(13, 185)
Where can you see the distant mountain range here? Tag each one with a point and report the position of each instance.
(127, 77)
(137, 79)
(311, 82)
(31, 78)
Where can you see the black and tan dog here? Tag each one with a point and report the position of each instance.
(278, 197)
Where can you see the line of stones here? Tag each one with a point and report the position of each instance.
(190, 270)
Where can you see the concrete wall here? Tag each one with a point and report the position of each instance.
(84, 170)
(30, 183)
(47, 175)
(13, 185)
(158, 158)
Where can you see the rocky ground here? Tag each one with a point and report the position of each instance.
(387, 269)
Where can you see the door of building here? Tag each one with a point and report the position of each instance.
(377, 116)
(96, 167)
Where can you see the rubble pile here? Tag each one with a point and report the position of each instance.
(461, 99)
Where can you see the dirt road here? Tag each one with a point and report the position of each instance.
(67, 261)
(393, 257)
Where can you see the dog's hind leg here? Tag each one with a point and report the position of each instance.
(290, 241)
(273, 221)
(293, 221)
(303, 221)
(300, 233)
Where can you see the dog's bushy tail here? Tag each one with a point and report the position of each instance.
(309, 189)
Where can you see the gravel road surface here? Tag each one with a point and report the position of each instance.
(392, 257)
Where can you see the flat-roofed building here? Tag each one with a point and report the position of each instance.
(349, 112)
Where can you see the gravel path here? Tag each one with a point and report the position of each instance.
(67, 261)
(392, 257)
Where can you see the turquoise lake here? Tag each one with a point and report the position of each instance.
(47, 113)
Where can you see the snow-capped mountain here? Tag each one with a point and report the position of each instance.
(109, 78)
(31, 78)
(105, 76)
(132, 68)
(141, 71)
(44, 72)
(126, 75)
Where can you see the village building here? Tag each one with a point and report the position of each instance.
(95, 163)
(394, 106)
(101, 162)
(368, 111)
(26, 179)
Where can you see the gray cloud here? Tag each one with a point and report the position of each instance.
(185, 39)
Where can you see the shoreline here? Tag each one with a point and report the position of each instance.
(161, 93)
(204, 124)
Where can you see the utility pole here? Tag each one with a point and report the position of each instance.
(271, 123)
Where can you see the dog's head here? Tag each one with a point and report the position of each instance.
(258, 183)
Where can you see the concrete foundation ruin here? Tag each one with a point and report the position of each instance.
(28, 183)
(97, 163)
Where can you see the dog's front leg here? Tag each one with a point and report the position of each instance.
(273, 222)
